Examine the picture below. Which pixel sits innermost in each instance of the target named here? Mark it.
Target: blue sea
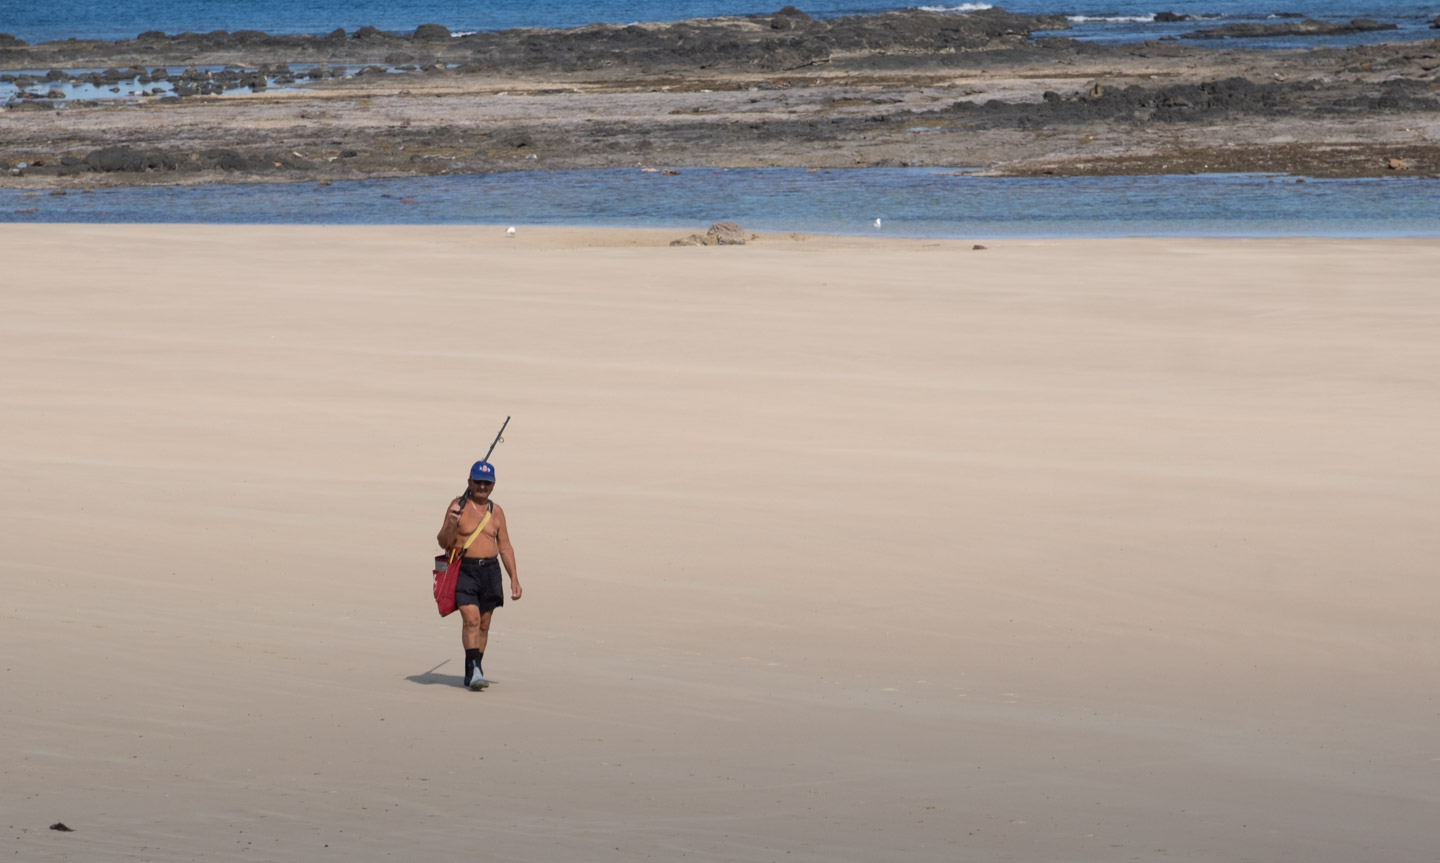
(1102, 20)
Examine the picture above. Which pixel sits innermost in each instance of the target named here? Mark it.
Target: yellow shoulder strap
(471, 538)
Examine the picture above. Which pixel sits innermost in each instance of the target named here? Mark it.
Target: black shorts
(479, 584)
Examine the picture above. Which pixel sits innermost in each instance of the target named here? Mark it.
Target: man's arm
(450, 527)
(507, 552)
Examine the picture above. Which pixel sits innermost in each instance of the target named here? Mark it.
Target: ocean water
(910, 202)
(1103, 20)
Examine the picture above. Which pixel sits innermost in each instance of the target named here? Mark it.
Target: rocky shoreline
(990, 90)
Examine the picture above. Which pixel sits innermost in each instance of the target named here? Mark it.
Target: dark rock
(431, 33)
(904, 36)
(336, 35)
(150, 36)
(8, 41)
(368, 32)
(33, 105)
(249, 37)
(1204, 101)
(348, 154)
(1304, 27)
(1170, 17)
(1434, 25)
(60, 825)
(115, 159)
(225, 160)
(725, 234)
(789, 18)
(977, 248)
(398, 58)
(517, 140)
(56, 75)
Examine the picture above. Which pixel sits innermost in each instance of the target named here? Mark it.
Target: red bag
(447, 570)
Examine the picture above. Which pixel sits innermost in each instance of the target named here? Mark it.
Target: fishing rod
(465, 495)
(498, 439)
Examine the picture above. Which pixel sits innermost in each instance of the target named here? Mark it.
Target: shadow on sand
(430, 678)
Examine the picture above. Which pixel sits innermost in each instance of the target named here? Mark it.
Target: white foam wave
(963, 7)
(458, 33)
(1125, 19)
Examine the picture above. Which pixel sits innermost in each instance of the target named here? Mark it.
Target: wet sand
(833, 549)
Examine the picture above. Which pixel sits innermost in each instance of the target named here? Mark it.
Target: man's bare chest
(473, 516)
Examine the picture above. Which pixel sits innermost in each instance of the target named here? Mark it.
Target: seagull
(877, 223)
(510, 231)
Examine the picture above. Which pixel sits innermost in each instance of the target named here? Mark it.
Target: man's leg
(470, 627)
(474, 633)
(483, 624)
(473, 642)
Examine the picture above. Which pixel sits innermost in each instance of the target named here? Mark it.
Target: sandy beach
(834, 549)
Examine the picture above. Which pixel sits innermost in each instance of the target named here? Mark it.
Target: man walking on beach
(480, 527)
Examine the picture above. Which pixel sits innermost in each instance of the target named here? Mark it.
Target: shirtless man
(478, 591)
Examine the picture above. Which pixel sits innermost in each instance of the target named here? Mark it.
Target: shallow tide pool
(908, 202)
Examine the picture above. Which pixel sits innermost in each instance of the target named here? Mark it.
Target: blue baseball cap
(483, 470)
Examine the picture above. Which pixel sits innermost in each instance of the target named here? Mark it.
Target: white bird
(877, 223)
(510, 231)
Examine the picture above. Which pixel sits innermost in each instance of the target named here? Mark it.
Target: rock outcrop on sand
(130, 160)
(1305, 27)
(1225, 99)
(787, 40)
(911, 88)
(784, 40)
(720, 234)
